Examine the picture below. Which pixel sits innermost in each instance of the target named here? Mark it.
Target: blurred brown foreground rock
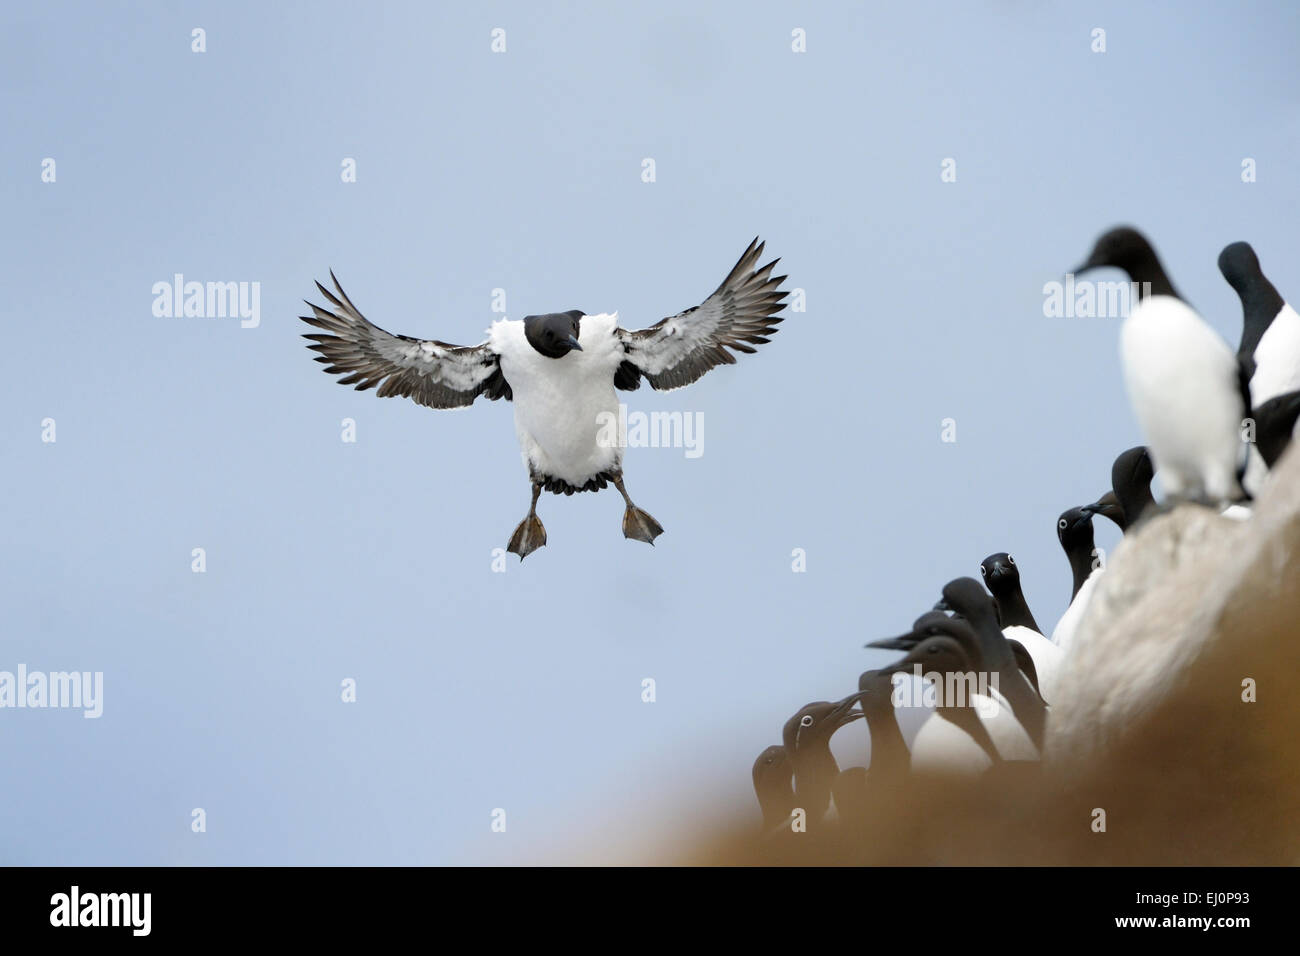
(1151, 727)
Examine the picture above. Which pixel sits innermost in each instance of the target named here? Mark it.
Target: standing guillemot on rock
(1270, 339)
(1074, 530)
(1002, 578)
(561, 370)
(1270, 329)
(1187, 388)
(807, 739)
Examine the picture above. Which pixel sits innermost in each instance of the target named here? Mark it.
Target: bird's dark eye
(1062, 523)
(984, 572)
(806, 720)
(1011, 561)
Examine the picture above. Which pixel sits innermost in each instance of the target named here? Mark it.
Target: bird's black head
(932, 624)
(1126, 248)
(1000, 573)
(877, 685)
(1108, 506)
(1074, 529)
(816, 722)
(1123, 248)
(1239, 265)
(942, 654)
(968, 599)
(773, 767)
(555, 334)
(1132, 467)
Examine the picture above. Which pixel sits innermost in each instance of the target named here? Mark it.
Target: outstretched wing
(430, 373)
(739, 315)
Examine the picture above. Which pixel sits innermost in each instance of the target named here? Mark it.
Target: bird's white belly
(563, 414)
(1008, 736)
(1181, 379)
(1046, 655)
(1277, 358)
(942, 747)
(1068, 625)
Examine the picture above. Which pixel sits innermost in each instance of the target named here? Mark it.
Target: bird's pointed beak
(1107, 506)
(904, 642)
(844, 712)
(572, 343)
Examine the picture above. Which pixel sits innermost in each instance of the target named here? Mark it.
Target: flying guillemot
(561, 370)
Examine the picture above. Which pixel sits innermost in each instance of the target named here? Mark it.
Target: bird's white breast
(563, 406)
(1068, 625)
(1046, 655)
(1182, 381)
(1277, 358)
(942, 747)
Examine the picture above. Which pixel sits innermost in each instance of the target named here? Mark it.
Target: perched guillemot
(1002, 578)
(561, 370)
(1074, 530)
(1270, 328)
(1187, 389)
(1270, 339)
(807, 738)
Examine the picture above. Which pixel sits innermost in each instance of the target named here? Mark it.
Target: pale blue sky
(522, 171)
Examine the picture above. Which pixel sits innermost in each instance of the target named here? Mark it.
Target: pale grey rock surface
(1164, 603)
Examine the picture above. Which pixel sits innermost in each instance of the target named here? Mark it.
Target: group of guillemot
(562, 371)
(1214, 422)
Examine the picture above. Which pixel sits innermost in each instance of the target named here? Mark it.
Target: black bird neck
(1145, 269)
(815, 771)
(1080, 556)
(1135, 498)
(1260, 304)
(889, 754)
(995, 652)
(1013, 609)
